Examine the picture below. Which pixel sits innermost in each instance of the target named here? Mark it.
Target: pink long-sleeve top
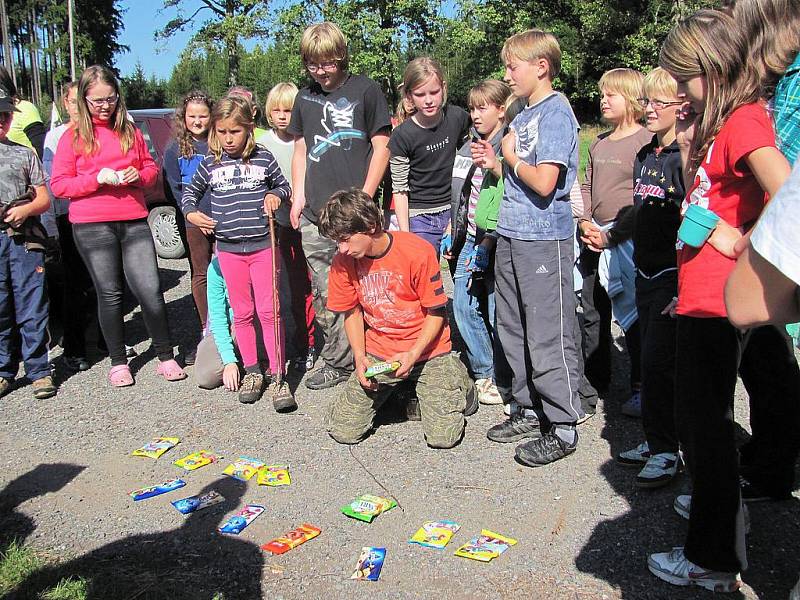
(74, 176)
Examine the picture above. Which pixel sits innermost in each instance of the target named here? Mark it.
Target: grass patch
(68, 589)
(18, 563)
(586, 136)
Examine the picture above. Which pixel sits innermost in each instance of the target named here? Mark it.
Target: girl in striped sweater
(246, 183)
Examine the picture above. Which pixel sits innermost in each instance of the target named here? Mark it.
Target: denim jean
(430, 227)
(23, 306)
(471, 316)
(113, 250)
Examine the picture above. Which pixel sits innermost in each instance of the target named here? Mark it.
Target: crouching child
(389, 287)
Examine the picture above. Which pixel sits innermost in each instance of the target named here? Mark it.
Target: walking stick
(276, 303)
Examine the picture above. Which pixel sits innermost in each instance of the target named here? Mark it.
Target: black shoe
(515, 428)
(75, 363)
(251, 388)
(189, 357)
(326, 377)
(548, 448)
(752, 493)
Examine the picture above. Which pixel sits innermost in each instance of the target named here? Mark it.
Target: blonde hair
(708, 44)
(658, 81)
(531, 45)
(182, 135)
(405, 108)
(418, 71)
(84, 141)
(281, 95)
(241, 111)
(628, 84)
(324, 41)
(771, 28)
(489, 91)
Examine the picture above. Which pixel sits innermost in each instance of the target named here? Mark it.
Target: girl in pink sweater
(103, 166)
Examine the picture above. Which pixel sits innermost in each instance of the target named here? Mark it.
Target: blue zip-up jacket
(178, 171)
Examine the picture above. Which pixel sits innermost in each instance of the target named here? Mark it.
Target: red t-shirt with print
(725, 185)
(393, 291)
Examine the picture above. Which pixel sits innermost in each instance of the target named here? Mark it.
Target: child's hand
(742, 244)
(107, 176)
(230, 377)
(16, 215)
(594, 239)
(483, 154)
(362, 365)
(508, 145)
(669, 309)
(724, 238)
(202, 221)
(129, 175)
(407, 361)
(271, 203)
(298, 203)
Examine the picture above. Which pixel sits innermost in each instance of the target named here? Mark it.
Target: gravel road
(584, 529)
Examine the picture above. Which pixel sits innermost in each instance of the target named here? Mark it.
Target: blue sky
(141, 20)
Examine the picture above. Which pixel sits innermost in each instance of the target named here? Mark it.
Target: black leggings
(111, 249)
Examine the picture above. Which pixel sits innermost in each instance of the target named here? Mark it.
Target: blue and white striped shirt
(237, 197)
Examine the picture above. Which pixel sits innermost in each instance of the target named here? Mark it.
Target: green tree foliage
(226, 23)
(143, 92)
(382, 34)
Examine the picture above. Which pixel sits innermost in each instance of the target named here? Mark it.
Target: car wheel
(166, 236)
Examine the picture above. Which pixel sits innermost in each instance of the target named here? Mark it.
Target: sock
(256, 368)
(566, 433)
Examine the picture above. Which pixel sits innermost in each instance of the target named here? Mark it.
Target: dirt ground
(584, 529)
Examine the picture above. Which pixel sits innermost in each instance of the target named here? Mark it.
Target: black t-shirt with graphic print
(337, 127)
(431, 154)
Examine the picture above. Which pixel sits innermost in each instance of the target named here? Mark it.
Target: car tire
(163, 225)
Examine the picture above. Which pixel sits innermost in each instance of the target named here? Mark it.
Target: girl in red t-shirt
(730, 164)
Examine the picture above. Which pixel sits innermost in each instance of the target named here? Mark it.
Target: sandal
(120, 376)
(171, 370)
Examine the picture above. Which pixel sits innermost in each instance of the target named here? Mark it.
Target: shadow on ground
(192, 562)
(618, 548)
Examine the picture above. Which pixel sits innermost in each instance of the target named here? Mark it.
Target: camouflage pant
(319, 253)
(443, 385)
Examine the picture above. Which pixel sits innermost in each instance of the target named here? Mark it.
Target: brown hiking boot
(44, 388)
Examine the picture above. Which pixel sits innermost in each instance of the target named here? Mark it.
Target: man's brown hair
(348, 212)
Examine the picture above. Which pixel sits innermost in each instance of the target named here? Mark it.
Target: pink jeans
(248, 276)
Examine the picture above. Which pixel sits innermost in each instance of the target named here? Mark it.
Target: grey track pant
(535, 307)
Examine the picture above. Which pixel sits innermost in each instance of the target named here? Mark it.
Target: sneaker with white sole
(487, 392)
(326, 377)
(673, 567)
(683, 506)
(633, 407)
(635, 457)
(659, 470)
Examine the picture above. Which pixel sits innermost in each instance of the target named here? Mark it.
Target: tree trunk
(232, 47)
(34, 41)
(8, 57)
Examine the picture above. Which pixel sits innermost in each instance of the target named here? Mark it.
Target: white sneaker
(795, 593)
(673, 567)
(487, 392)
(659, 470)
(636, 457)
(683, 506)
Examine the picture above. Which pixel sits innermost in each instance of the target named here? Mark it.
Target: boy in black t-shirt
(341, 127)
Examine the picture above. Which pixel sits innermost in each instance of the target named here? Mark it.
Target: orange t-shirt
(393, 291)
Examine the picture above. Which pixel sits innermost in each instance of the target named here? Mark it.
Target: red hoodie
(75, 177)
